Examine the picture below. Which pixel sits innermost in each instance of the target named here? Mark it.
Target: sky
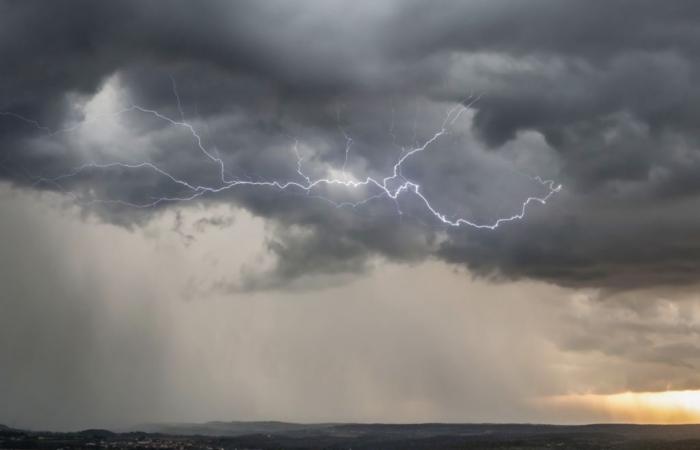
(529, 254)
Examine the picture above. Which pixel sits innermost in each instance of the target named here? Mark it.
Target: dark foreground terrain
(278, 435)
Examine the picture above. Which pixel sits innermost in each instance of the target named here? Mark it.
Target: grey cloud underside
(603, 97)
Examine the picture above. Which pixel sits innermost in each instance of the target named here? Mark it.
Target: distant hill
(227, 428)
(8, 431)
(96, 433)
(426, 436)
(416, 431)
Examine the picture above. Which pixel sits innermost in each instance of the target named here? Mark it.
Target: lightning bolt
(392, 186)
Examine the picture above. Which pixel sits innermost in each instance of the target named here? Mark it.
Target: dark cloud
(599, 96)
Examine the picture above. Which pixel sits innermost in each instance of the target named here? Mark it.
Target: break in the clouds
(601, 97)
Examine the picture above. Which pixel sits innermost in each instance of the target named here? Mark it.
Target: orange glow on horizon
(667, 407)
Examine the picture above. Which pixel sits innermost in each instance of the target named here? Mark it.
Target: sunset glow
(669, 407)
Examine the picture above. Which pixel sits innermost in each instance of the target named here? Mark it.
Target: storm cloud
(601, 97)
(259, 303)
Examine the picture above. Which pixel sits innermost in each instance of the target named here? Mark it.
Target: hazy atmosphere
(364, 211)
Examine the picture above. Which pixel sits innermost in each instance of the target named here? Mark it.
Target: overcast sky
(253, 302)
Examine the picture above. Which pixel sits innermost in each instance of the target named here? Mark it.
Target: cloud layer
(600, 97)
